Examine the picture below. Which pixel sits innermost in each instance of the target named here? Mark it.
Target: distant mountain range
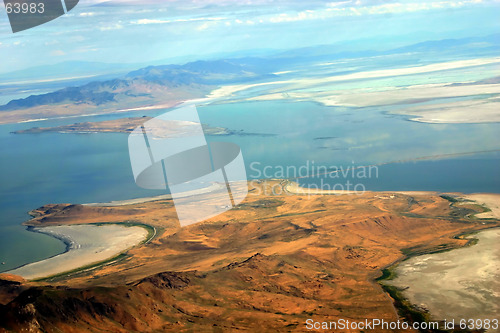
(66, 69)
(152, 81)
(145, 82)
(480, 46)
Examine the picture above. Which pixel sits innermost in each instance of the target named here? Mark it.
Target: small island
(125, 125)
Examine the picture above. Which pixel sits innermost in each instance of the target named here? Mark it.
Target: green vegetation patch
(262, 203)
(301, 213)
(388, 273)
(413, 251)
(405, 308)
(449, 198)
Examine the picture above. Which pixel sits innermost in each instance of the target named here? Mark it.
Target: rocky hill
(268, 265)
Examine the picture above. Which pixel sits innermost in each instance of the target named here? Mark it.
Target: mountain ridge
(267, 265)
(219, 72)
(142, 83)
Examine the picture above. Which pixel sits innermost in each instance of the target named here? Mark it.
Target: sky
(131, 31)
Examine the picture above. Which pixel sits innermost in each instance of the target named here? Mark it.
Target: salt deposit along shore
(86, 245)
(462, 284)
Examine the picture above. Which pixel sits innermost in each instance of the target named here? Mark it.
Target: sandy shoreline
(58, 117)
(488, 200)
(295, 188)
(86, 245)
(89, 244)
(305, 89)
(458, 284)
(208, 189)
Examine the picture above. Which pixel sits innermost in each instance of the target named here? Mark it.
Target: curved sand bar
(86, 245)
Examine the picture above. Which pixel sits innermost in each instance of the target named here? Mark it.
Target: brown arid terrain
(122, 125)
(154, 98)
(268, 265)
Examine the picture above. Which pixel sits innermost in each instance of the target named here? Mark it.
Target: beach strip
(85, 245)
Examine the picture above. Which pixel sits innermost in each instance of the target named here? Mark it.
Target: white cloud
(246, 22)
(57, 53)
(158, 21)
(204, 26)
(355, 11)
(115, 26)
(207, 25)
(339, 3)
(358, 8)
(150, 21)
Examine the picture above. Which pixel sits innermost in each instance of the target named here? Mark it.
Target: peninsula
(273, 261)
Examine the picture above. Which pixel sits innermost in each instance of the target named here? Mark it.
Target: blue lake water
(38, 169)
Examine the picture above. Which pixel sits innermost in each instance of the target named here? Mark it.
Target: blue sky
(146, 31)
